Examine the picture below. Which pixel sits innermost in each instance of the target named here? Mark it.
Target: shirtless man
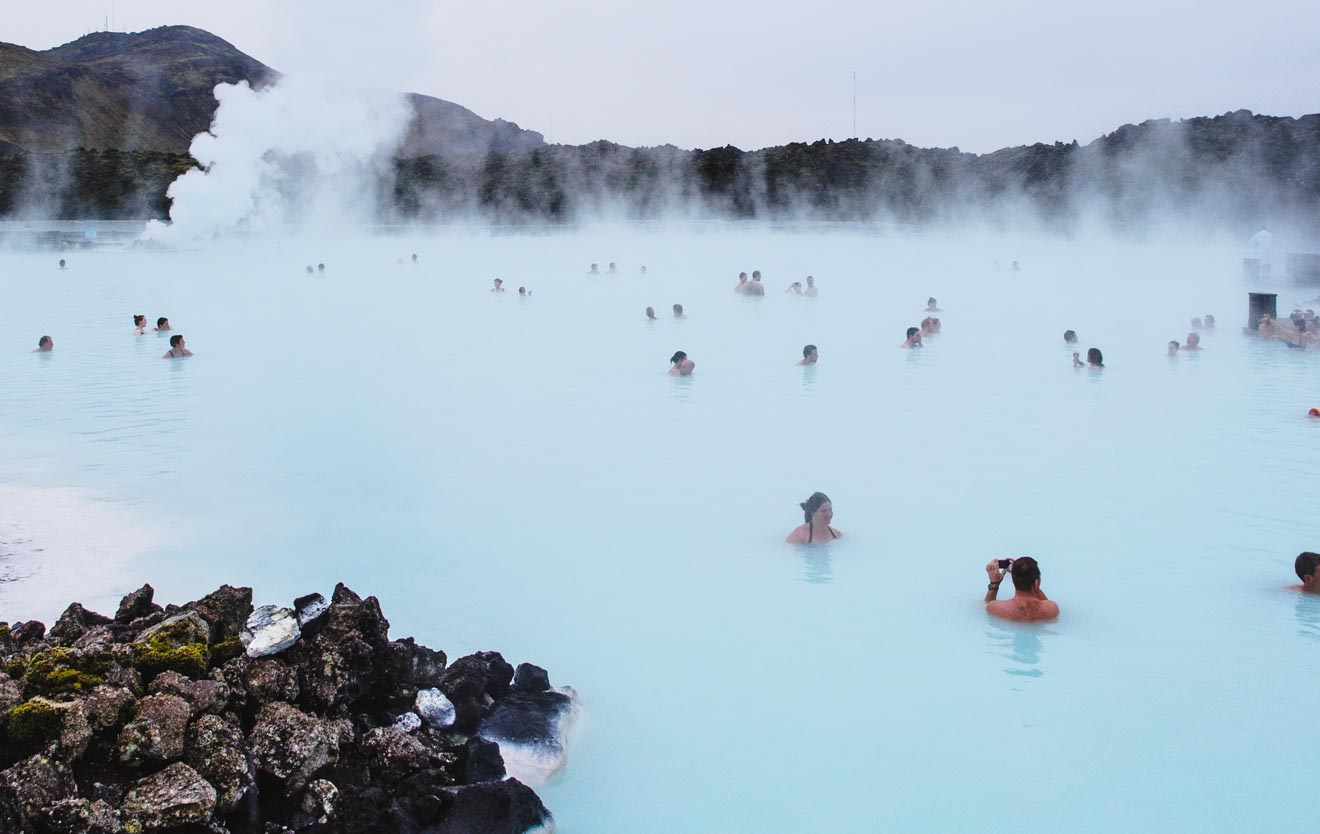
(742, 283)
(811, 287)
(678, 312)
(499, 286)
(809, 355)
(45, 345)
(1193, 342)
(931, 306)
(913, 339)
(755, 287)
(178, 349)
(1308, 570)
(1173, 348)
(1029, 603)
(162, 324)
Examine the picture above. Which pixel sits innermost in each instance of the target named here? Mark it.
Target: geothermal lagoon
(521, 474)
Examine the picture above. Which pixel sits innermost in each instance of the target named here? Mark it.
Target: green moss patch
(32, 723)
(159, 654)
(63, 671)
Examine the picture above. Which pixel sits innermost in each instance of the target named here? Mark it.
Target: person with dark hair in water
(309, 269)
(1193, 341)
(614, 268)
(913, 338)
(818, 512)
(1308, 570)
(794, 288)
(1094, 359)
(63, 265)
(139, 324)
(650, 313)
(932, 306)
(755, 287)
(811, 287)
(1070, 337)
(414, 258)
(595, 270)
(162, 324)
(1209, 323)
(741, 286)
(499, 285)
(809, 355)
(178, 349)
(680, 365)
(678, 312)
(45, 345)
(320, 267)
(1173, 348)
(1029, 603)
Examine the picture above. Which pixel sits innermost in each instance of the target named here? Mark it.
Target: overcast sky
(703, 73)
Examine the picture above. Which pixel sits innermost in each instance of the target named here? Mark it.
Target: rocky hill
(152, 92)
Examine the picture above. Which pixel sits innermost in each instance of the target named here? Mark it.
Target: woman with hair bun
(819, 512)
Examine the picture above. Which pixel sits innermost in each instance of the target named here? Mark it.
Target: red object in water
(1315, 412)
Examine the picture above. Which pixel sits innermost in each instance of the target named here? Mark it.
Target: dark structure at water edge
(215, 717)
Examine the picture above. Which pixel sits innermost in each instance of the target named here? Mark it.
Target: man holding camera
(1029, 603)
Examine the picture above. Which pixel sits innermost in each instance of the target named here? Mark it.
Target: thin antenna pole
(854, 132)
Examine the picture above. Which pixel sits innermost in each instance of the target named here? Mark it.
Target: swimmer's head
(1193, 340)
(820, 503)
(45, 343)
(139, 320)
(1306, 565)
(756, 275)
(162, 322)
(1210, 320)
(61, 263)
(811, 282)
(309, 269)
(809, 352)
(912, 331)
(650, 312)
(176, 340)
(678, 356)
(612, 264)
(320, 267)
(1025, 572)
(414, 257)
(678, 309)
(930, 303)
(1095, 357)
(1173, 347)
(1070, 337)
(643, 270)
(522, 291)
(499, 282)
(1196, 324)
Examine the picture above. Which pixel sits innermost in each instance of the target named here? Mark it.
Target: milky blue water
(522, 475)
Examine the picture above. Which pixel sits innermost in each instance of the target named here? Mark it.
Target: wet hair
(930, 300)
(321, 267)
(742, 276)
(1209, 319)
(162, 320)
(650, 311)
(61, 262)
(414, 257)
(813, 503)
(1095, 357)
(678, 309)
(678, 356)
(1174, 344)
(912, 331)
(1070, 336)
(43, 340)
(499, 280)
(139, 319)
(175, 339)
(309, 269)
(522, 291)
(808, 350)
(1306, 564)
(756, 273)
(1025, 572)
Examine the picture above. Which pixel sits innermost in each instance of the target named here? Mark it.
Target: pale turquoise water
(523, 476)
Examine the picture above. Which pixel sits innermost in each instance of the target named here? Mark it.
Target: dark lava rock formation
(210, 717)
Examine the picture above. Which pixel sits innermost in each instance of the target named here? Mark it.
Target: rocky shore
(217, 717)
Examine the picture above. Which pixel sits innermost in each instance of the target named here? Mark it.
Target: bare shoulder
(798, 536)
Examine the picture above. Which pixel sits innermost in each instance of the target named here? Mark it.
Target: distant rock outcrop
(153, 91)
(212, 717)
